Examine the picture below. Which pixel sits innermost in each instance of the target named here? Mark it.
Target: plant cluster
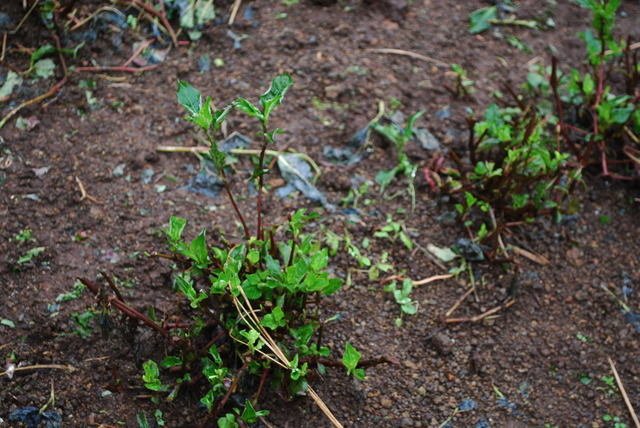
(525, 158)
(254, 305)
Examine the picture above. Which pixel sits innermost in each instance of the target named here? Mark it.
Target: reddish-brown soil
(529, 366)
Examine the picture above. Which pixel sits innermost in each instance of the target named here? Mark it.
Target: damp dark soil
(90, 184)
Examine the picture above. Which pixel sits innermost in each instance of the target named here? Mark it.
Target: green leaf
(198, 250)
(275, 319)
(229, 421)
(189, 97)
(203, 118)
(409, 130)
(170, 361)
(150, 376)
(40, 52)
(588, 85)
(176, 226)
(384, 178)
(247, 107)
(44, 68)
(250, 415)
(142, 420)
(350, 359)
(479, 19)
(319, 260)
(273, 97)
(621, 114)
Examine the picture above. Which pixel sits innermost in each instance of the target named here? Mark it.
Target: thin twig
(67, 368)
(409, 54)
(481, 316)
(460, 300)
(234, 11)
(54, 90)
(433, 278)
(624, 393)
(84, 194)
(12, 32)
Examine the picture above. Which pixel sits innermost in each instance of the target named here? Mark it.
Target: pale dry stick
(234, 11)
(624, 393)
(536, 258)
(84, 194)
(205, 149)
(93, 15)
(4, 46)
(433, 278)
(24, 18)
(409, 54)
(459, 302)
(494, 224)
(68, 368)
(481, 316)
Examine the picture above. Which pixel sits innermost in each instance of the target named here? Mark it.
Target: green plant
(392, 231)
(401, 295)
(598, 124)
(259, 298)
(464, 85)
(515, 171)
(615, 419)
(399, 137)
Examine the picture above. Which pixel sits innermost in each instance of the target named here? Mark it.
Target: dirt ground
(541, 362)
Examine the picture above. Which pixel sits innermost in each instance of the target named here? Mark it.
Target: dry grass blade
(624, 393)
(248, 312)
(410, 54)
(68, 368)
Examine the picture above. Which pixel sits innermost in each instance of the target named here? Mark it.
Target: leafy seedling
(399, 137)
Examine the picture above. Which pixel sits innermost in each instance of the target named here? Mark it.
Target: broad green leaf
(142, 420)
(203, 118)
(229, 421)
(189, 97)
(150, 376)
(350, 358)
(170, 361)
(273, 97)
(621, 114)
(44, 68)
(250, 415)
(247, 107)
(198, 249)
(588, 85)
(275, 319)
(176, 226)
(479, 19)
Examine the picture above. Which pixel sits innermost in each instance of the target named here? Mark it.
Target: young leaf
(409, 130)
(273, 97)
(40, 52)
(150, 376)
(247, 107)
(479, 19)
(189, 97)
(350, 360)
(176, 226)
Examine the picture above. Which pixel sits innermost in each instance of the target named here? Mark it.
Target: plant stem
(265, 141)
(223, 175)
